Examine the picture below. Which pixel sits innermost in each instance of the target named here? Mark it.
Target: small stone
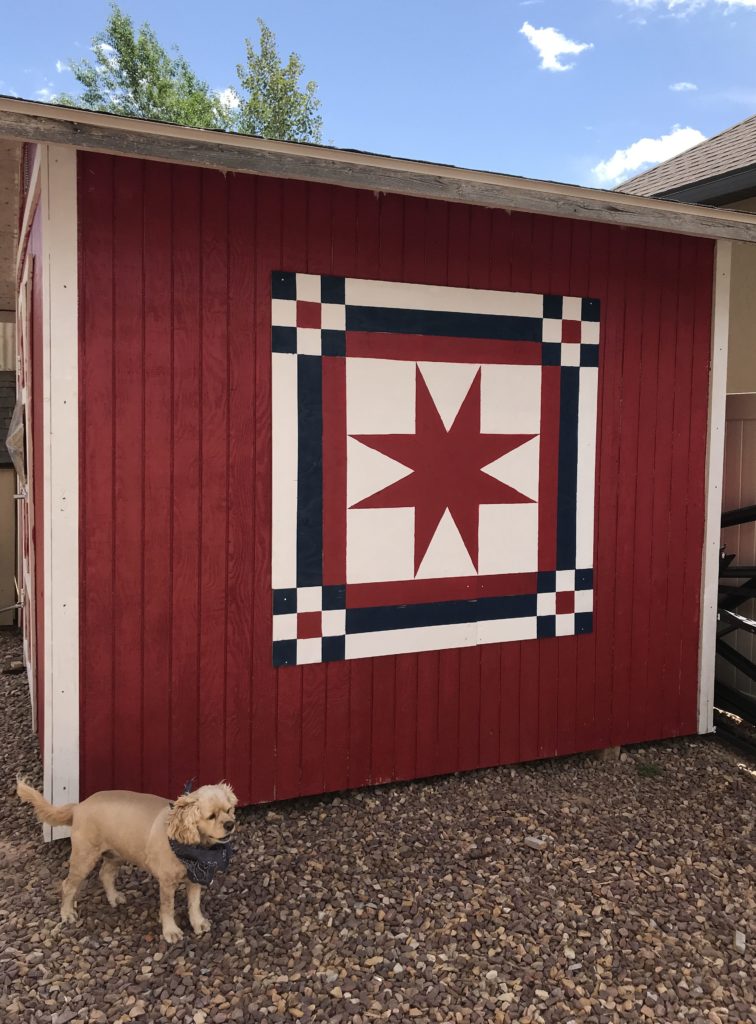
(535, 842)
(739, 941)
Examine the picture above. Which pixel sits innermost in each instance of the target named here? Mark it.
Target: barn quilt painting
(433, 466)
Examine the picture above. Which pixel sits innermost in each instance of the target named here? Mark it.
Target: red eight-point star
(447, 469)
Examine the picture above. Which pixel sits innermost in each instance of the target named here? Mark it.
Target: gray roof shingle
(729, 151)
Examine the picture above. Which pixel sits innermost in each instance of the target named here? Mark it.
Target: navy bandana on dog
(201, 862)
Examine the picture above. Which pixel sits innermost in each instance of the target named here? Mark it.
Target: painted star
(447, 469)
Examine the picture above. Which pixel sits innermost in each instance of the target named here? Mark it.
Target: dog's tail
(44, 810)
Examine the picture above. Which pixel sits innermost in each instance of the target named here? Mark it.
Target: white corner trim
(715, 446)
(60, 401)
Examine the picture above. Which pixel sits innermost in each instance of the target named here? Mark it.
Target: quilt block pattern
(433, 466)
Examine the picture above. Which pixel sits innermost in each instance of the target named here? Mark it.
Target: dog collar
(202, 862)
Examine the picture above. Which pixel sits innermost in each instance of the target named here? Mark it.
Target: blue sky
(474, 83)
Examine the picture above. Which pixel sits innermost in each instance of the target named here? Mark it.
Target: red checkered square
(565, 603)
(309, 625)
(308, 314)
(571, 331)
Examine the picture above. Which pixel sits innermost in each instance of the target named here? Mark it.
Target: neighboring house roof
(7, 405)
(721, 168)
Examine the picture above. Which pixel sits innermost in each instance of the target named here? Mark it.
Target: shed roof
(27, 120)
(713, 161)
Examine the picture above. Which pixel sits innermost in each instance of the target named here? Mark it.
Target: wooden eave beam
(87, 130)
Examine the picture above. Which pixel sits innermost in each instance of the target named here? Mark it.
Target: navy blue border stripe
(568, 455)
(442, 613)
(310, 472)
(443, 324)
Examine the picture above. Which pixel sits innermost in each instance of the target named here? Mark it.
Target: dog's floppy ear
(183, 820)
(229, 794)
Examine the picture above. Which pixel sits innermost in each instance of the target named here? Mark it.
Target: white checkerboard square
(590, 332)
(583, 600)
(572, 308)
(565, 624)
(284, 313)
(308, 341)
(552, 331)
(332, 317)
(334, 622)
(309, 652)
(565, 579)
(308, 287)
(570, 354)
(546, 604)
(285, 627)
(309, 599)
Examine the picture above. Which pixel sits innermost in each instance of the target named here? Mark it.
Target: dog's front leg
(199, 922)
(171, 931)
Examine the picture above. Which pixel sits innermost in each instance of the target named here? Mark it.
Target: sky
(582, 91)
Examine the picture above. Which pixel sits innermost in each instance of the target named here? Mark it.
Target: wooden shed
(347, 469)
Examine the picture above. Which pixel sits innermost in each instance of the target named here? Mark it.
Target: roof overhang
(26, 120)
(716, 191)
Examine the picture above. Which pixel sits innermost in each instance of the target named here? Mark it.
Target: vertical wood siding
(176, 673)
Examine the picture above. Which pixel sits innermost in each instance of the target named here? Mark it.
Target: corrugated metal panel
(176, 669)
(739, 491)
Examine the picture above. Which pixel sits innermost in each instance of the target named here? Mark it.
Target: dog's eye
(213, 815)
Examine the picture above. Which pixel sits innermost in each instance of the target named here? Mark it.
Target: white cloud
(684, 87)
(550, 45)
(682, 7)
(228, 99)
(624, 162)
(60, 67)
(45, 94)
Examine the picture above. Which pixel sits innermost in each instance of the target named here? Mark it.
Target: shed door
(25, 492)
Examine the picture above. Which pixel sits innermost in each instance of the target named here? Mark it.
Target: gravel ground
(418, 902)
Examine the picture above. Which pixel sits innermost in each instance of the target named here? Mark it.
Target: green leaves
(134, 75)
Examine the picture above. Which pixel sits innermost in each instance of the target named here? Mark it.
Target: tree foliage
(134, 75)
(271, 103)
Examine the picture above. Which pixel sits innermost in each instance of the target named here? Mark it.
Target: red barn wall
(176, 672)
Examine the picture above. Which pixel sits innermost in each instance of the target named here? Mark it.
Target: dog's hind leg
(198, 921)
(84, 856)
(171, 931)
(108, 874)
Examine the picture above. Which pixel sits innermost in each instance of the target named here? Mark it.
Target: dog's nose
(228, 826)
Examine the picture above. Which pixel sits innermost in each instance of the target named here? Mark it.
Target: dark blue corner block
(546, 582)
(284, 285)
(334, 598)
(546, 626)
(333, 343)
(284, 339)
(333, 648)
(332, 289)
(589, 355)
(552, 307)
(584, 622)
(591, 310)
(551, 354)
(583, 579)
(284, 652)
(284, 601)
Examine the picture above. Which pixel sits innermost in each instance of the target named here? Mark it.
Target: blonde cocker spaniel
(145, 830)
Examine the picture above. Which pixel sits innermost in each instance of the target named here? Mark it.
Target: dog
(145, 830)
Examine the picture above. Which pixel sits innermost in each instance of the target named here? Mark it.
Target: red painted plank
(128, 442)
(186, 476)
(158, 384)
(213, 423)
(96, 469)
(658, 687)
(623, 668)
(508, 725)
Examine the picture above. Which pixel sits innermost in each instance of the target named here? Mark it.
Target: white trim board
(60, 401)
(714, 477)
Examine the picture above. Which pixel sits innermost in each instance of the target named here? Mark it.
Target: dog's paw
(117, 899)
(201, 926)
(68, 915)
(172, 933)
